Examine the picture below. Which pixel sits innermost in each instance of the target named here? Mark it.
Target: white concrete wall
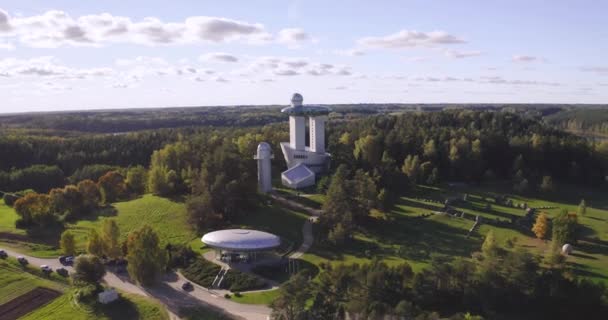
(264, 175)
(317, 134)
(297, 132)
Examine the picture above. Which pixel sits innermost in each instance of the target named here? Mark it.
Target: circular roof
(241, 239)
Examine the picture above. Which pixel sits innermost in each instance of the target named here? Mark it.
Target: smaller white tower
(263, 157)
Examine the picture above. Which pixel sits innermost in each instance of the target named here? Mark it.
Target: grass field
(261, 297)
(129, 307)
(402, 235)
(14, 281)
(167, 217)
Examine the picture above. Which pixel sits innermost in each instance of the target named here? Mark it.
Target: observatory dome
(241, 240)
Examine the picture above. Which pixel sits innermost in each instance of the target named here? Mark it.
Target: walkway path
(308, 236)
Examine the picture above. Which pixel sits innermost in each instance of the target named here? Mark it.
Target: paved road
(169, 292)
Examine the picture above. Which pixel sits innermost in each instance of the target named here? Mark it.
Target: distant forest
(584, 119)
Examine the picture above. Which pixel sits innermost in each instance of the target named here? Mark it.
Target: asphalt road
(168, 292)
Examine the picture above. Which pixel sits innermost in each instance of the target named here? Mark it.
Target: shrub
(227, 296)
(238, 281)
(201, 272)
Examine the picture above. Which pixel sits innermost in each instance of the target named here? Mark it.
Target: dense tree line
(496, 284)
(465, 145)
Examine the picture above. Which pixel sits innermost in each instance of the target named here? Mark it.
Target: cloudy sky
(70, 54)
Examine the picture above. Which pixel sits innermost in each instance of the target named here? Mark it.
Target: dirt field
(27, 303)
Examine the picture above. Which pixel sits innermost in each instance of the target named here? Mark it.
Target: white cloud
(524, 58)
(7, 46)
(350, 52)
(409, 39)
(219, 79)
(57, 28)
(596, 69)
(461, 54)
(47, 66)
(293, 36)
(219, 57)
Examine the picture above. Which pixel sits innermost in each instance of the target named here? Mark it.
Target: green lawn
(260, 297)
(401, 235)
(129, 307)
(167, 217)
(14, 281)
(202, 313)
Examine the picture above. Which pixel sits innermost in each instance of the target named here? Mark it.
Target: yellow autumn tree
(541, 226)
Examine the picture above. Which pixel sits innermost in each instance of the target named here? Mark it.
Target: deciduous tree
(68, 243)
(147, 259)
(110, 236)
(541, 226)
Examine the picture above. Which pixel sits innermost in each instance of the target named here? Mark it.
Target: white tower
(297, 125)
(304, 162)
(263, 156)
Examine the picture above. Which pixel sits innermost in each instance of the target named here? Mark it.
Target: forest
(51, 173)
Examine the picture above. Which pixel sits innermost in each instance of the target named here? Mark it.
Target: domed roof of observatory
(298, 109)
(241, 239)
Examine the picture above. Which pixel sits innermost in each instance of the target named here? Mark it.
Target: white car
(46, 268)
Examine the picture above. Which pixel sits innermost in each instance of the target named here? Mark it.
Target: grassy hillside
(130, 307)
(167, 217)
(404, 235)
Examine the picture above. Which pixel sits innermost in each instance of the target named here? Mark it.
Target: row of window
(300, 156)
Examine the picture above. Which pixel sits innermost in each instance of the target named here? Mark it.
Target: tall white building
(263, 156)
(304, 162)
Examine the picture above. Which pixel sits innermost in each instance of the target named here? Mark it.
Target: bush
(9, 199)
(86, 293)
(180, 256)
(238, 281)
(201, 272)
(227, 296)
(238, 294)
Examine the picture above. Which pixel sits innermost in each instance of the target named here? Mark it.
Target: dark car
(23, 261)
(62, 272)
(66, 260)
(187, 286)
(3, 254)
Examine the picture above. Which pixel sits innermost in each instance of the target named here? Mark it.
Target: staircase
(217, 282)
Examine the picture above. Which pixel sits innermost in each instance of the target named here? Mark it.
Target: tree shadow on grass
(583, 271)
(121, 309)
(107, 211)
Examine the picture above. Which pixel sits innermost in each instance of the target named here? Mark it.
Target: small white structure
(567, 249)
(297, 177)
(107, 296)
(297, 154)
(263, 156)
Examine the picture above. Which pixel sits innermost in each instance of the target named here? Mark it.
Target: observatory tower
(263, 156)
(304, 162)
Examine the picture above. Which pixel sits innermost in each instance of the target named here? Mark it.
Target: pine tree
(541, 227)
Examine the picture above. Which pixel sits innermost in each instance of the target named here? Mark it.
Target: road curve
(168, 292)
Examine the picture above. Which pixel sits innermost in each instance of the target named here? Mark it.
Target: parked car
(62, 272)
(23, 261)
(187, 286)
(3, 254)
(66, 260)
(46, 269)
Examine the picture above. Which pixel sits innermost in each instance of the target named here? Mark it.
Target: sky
(77, 55)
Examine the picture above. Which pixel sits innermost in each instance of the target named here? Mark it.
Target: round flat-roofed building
(240, 245)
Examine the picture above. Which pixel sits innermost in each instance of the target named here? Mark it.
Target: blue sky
(70, 55)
